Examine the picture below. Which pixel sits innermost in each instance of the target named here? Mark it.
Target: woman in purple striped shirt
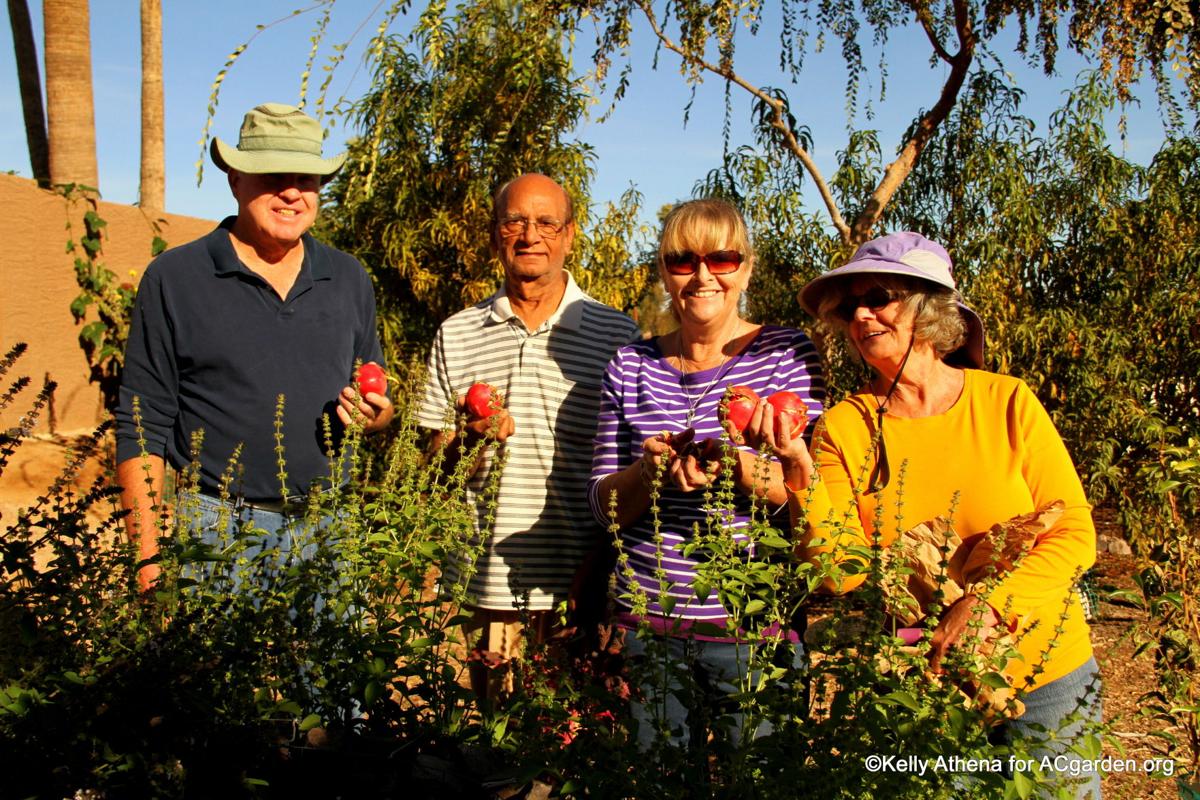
(660, 423)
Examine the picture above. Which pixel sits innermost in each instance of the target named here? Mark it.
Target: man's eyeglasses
(719, 262)
(546, 228)
(874, 298)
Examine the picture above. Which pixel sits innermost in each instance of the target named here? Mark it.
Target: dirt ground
(1126, 680)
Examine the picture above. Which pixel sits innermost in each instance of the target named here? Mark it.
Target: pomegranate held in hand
(483, 401)
(739, 405)
(789, 410)
(371, 378)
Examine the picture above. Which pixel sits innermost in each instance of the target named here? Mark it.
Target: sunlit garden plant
(197, 687)
(344, 672)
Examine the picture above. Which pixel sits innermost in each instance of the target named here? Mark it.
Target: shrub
(342, 673)
(195, 689)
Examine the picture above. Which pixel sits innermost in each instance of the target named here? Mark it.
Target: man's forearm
(452, 448)
(141, 480)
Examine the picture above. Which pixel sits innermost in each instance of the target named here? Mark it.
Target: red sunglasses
(719, 262)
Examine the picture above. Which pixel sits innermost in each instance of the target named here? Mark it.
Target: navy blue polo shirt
(212, 348)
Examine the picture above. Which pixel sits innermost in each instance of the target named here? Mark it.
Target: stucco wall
(37, 285)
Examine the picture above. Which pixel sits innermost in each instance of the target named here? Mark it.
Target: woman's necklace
(721, 368)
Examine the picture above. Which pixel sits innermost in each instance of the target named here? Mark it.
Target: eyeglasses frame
(545, 228)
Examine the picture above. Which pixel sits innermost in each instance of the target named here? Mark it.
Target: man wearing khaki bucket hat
(225, 325)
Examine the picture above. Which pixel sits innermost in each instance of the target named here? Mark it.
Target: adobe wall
(37, 285)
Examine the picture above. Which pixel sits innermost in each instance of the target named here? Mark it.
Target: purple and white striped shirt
(644, 395)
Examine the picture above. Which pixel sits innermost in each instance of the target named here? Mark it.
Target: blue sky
(644, 142)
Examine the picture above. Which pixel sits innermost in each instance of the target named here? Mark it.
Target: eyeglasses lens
(547, 229)
(719, 262)
(874, 298)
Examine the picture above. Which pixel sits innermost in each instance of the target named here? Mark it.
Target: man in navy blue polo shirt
(227, 325)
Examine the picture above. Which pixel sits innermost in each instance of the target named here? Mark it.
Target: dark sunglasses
(719, 262)
(874, 298)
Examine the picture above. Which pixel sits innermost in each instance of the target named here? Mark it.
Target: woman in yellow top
(950, 428)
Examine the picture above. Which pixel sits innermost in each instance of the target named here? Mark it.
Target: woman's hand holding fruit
(690, 465)
(777, 424)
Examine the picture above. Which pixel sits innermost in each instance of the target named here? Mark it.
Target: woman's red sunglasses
(719, 262)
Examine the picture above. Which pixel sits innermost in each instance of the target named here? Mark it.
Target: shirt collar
(569, 313)
(226, 261)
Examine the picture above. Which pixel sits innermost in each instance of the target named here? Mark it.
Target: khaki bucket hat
(277, 138)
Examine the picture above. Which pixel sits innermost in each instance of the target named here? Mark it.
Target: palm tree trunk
(29, 76)
(152, 194)
(70, 108)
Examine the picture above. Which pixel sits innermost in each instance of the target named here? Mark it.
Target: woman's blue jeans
(718, 670)
(1051, 735)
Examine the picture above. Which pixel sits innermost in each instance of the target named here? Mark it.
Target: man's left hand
(373, 411)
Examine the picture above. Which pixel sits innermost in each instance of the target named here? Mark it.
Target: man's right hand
(497, 427)
(148, 577)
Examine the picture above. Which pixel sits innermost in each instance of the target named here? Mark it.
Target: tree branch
(921, 9)
(778, 119)
(898, 170)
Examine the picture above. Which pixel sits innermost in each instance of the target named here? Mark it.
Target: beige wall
(37, 285)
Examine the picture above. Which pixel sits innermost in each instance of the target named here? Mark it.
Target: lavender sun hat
(910, 255)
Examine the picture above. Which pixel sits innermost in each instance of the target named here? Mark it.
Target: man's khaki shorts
(496, 639)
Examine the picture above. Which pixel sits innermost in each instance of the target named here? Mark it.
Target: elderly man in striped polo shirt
(544, 344)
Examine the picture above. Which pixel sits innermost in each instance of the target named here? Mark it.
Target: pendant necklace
(693, 403)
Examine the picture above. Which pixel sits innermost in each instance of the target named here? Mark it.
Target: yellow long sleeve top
(998, 449)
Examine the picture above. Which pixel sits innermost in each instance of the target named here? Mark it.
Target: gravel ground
(1126, 680)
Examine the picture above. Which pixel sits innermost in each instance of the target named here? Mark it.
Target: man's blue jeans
(278, 540)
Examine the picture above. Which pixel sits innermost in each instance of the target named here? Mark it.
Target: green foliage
(462, 104)
(102, 339)
(705, 35)
(1157, 35)
(250, 672)
(1168, 595)
(210, 686)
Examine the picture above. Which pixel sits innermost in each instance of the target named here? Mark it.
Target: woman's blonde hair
(936, 318)
(702, 226)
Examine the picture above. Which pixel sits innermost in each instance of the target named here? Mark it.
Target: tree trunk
(29, 76)
(70, 108)
(153, 186)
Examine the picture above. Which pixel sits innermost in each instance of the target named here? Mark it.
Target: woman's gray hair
(936, 318)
